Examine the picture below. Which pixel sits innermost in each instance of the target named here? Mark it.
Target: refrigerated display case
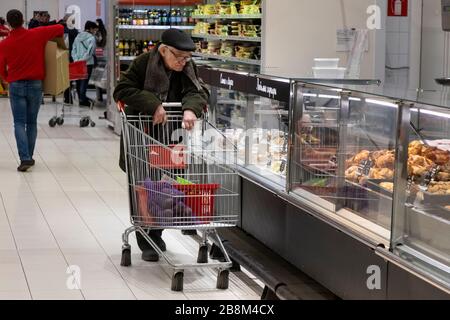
(369, 162)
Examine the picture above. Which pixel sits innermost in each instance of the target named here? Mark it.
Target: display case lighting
(326, 96)
(382, 103)
(432, 113)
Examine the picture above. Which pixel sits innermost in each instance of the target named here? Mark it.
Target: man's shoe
(159, 242)
(150, 255)
(32, 162)
(192, 232)
(25, 165)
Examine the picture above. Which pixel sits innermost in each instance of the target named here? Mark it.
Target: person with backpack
(84, 50)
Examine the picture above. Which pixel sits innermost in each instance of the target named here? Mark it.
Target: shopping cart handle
(121, 106)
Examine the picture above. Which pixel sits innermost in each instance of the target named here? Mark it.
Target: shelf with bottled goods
(155, 18)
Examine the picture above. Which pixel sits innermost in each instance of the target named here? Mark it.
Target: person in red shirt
(22, 64)
(4, 31)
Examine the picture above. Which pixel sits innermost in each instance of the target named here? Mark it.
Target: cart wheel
(84, 122)
(60, 121)
(223, 279)
(92, 124)
(52, 122)
(177, 281)
(126, 258)
(202, 254)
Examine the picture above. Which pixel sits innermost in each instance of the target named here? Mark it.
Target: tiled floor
(70, 211)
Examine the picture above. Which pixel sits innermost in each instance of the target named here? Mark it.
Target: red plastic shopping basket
(200, 198)
(167, 157)
(78, 70)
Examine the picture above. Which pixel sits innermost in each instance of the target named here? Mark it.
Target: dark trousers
(82, 86)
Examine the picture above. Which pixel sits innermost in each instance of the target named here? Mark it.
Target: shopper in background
(35, 21)
(23, 66)
(165, 74)
(46, 20)
(101, 43)
(4, 30)
(100, 36)
(70, 34)
(84, 50)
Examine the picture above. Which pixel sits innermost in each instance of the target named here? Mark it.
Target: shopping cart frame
(209, 231)
(85, 120)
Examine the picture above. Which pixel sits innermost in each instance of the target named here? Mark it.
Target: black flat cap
(178, 39)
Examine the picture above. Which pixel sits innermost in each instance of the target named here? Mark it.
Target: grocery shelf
(231, 38)
(153, 27)
(232, 59)
(228, 16)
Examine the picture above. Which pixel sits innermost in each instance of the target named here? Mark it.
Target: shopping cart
(180, 179)
(77, 71)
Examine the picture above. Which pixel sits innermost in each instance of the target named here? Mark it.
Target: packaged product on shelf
(214, 47)
(244, 51)
(227, 49)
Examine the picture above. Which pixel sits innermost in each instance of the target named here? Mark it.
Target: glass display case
(373, 164)
(343, 155)
(379, 163)
(257, 124)
(421, 221)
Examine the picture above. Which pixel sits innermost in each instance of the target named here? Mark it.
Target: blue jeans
(25, 98)
(82, 86)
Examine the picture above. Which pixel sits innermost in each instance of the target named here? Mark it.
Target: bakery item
(438, 156)
(388, 186)
(387, 160)
(352, 173)
(441, 188)
(377, 173)
(415, 148)
(418, 165)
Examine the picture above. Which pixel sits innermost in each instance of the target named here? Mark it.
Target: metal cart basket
(180, 179)
(77, 71)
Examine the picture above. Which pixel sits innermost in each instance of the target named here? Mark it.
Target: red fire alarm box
(397, 8)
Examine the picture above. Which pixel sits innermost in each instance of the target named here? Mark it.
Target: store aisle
(70, 212)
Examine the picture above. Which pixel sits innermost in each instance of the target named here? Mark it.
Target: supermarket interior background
(335, 115)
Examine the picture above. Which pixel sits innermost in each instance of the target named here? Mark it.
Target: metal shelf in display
(231, 59)
(151, 27)
(228, 16)
(229, 38)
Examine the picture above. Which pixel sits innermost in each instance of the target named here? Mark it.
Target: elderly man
(165, 74)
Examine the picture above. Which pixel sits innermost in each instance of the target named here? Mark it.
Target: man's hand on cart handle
(189, 119)
(160, 116)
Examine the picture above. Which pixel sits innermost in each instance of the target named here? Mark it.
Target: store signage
(276, 90)
(203, 73)
(230, 81)
(397, 8)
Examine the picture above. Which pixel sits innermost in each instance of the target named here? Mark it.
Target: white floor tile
(109, 294)
(11, 295)
(58, 295)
